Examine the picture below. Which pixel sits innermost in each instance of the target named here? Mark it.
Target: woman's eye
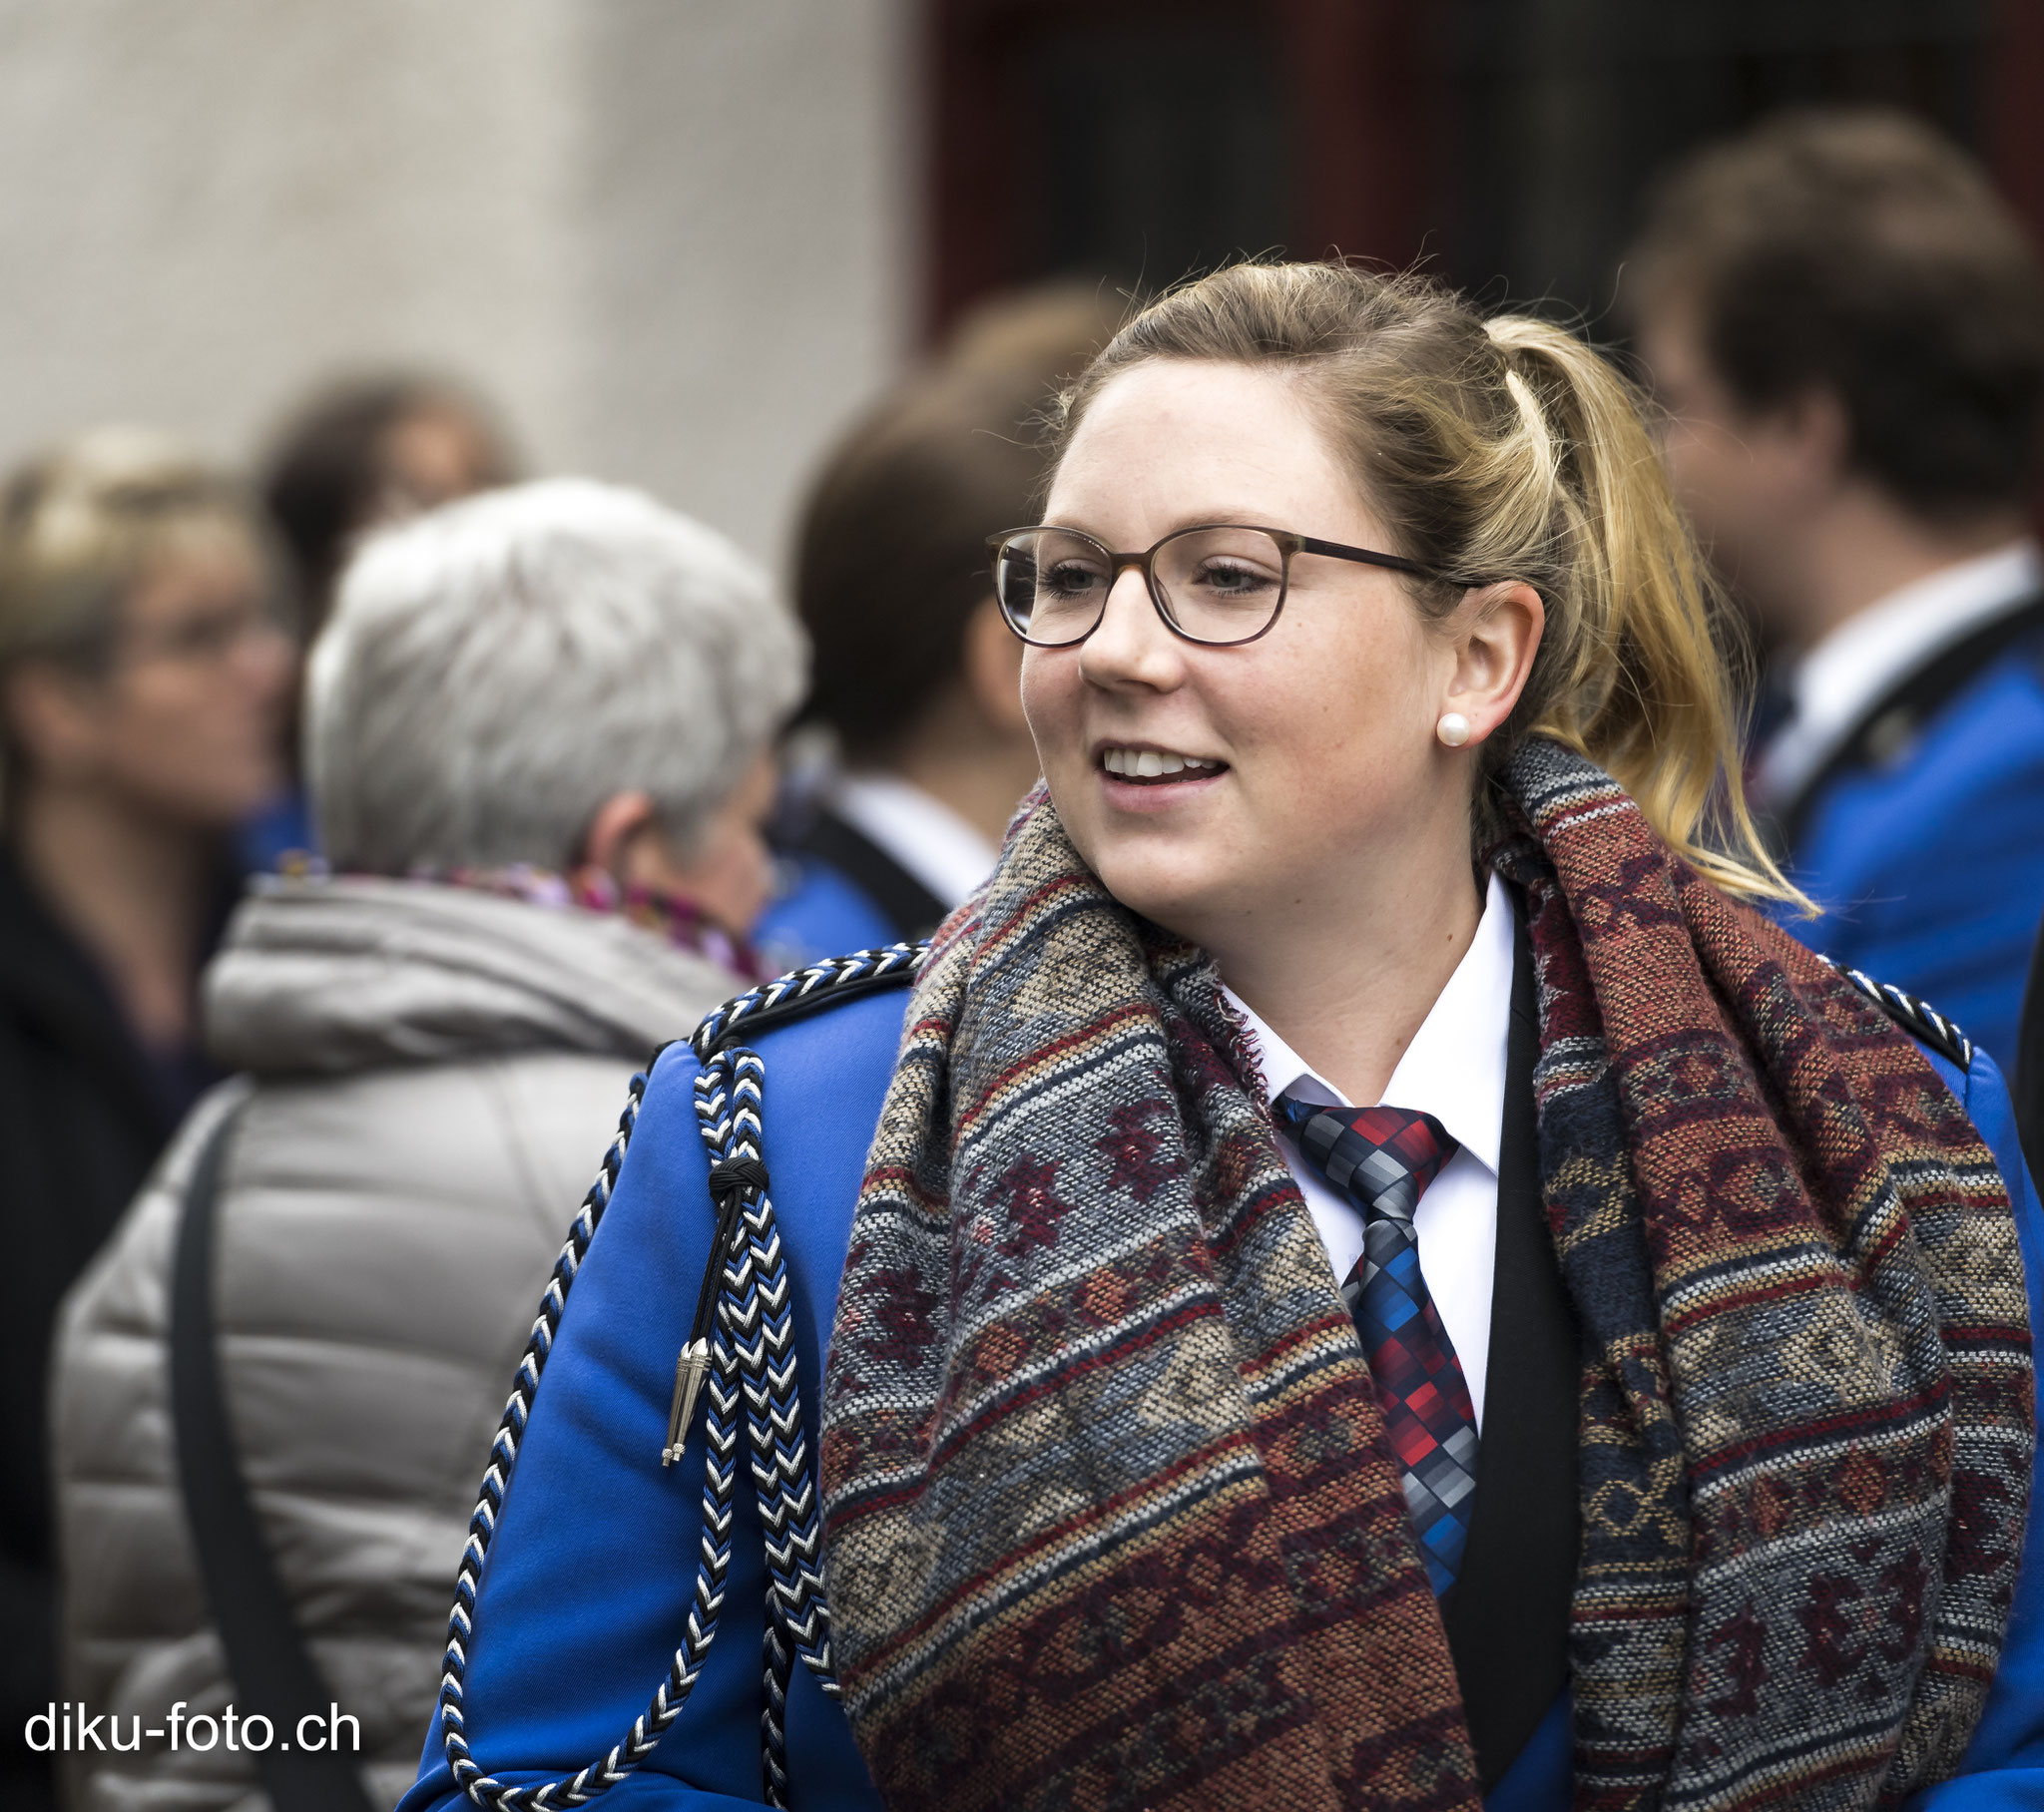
(1233, 578)
(1068, 579)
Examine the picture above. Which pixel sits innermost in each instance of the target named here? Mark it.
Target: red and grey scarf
(668, 916)
(1110, 1518)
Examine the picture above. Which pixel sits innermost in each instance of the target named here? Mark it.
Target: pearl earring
(1453, 728)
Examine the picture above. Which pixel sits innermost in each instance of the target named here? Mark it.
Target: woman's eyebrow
(1190, 519)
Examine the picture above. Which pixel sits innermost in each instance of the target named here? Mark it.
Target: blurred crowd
(388, 808)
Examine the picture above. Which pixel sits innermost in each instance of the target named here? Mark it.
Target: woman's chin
(1180, 894)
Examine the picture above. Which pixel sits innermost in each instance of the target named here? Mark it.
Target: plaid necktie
(1383, 1158)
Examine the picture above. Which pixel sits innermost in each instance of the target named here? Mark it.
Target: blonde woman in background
(142, 673)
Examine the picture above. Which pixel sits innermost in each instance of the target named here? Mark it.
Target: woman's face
(431, 456)
(1320, 767)
(185, 722)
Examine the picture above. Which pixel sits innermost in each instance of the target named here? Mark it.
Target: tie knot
(1381, 1158)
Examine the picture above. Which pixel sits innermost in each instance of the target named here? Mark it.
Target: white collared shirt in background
(1454, 1068)
(1839, 679)
(923, 835)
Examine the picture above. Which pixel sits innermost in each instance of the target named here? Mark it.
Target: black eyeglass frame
(1288, 545)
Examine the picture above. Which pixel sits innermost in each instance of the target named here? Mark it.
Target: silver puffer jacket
(431, 1077)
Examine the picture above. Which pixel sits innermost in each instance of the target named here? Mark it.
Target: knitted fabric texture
(1110, 1516)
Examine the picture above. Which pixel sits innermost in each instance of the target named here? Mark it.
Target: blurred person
(142, 673)
(1846, 325)
(538, 739)
(1044, 333)
(367, 451)
(1360, 1271)
(362, 452)
(916, 679)
(915, 676)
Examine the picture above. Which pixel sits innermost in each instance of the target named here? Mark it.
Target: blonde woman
(142, 676)
(1363, 1274)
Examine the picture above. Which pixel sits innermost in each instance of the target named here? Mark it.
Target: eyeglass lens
(1212, 584)
(200, 637)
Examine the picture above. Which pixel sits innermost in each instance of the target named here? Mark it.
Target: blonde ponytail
(1632, 674)
(1498, 450)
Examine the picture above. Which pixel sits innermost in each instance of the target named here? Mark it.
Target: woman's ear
(1495, 633)
(620, 824)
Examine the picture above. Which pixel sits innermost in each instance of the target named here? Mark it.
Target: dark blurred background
(682, 244)
(1509, 143)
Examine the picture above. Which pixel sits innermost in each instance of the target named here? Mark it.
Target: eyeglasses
(1220, 583)
(201, 639)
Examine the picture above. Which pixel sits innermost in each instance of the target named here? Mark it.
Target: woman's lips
(1137, 764)
(1148, 783)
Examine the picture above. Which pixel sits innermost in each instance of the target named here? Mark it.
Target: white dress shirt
(929, 839)
(1839, 679)
(1454, 1068)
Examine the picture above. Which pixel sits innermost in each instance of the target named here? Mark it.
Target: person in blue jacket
(1846, 324)
(916, 672)
(914, 685)
(1362, 1273)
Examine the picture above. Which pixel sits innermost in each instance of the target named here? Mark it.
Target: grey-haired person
(539, 732)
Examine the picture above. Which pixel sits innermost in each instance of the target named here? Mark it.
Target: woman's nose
(1131, 645)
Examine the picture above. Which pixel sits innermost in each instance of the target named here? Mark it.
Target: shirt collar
(930, 840)
(1838, 679)
(1454, 1068)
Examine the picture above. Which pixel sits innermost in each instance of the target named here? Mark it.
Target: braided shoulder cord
(1916, 1017)
(791, 995)
(754, 1358)
(752, 1366)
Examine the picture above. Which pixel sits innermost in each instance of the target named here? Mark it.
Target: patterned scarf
(668, 916)
(1110, 1518)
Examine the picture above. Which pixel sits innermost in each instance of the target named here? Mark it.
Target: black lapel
(1891, 723)
(915, 911)
(2030, 1064)
(52, 990)
(1507, 1614)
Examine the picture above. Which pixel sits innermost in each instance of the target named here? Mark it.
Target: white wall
(672, 236)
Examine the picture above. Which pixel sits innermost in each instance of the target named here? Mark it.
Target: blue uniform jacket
(592, 1565)
(818, 911)
(1930, 869)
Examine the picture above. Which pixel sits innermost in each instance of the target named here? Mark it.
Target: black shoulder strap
(912, 909)
(272, 1674)
(1891, 723)
(2029, 1080)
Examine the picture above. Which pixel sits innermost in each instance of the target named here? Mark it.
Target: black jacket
(2027, 1085)
(83, 1115)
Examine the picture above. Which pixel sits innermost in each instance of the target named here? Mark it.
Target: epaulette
(738, 1364)
(1919, 1019)
(803, 990)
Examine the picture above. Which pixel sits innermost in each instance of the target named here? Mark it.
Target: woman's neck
(1347, 986)
(131, 889)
